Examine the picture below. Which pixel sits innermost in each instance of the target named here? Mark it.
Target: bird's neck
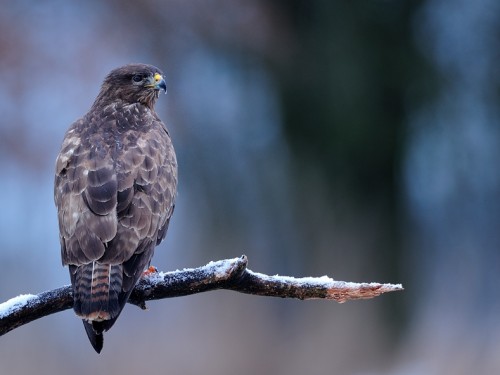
(112, 96)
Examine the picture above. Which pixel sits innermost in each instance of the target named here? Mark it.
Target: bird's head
(133, 83)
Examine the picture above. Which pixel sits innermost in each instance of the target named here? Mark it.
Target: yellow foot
(150, 270)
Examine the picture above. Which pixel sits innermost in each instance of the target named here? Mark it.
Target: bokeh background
(355, 139)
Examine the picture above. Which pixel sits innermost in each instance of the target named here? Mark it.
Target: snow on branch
(231, 274)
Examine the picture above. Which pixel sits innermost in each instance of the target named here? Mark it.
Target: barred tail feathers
(97, 289)
(100, 292)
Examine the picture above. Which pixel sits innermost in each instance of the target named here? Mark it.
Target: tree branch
(231, 274)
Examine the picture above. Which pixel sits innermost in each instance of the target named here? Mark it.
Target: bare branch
(231, 274)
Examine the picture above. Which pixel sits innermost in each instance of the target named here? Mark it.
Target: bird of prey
(115, 186)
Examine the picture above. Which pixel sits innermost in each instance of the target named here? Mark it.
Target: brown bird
(115, 186)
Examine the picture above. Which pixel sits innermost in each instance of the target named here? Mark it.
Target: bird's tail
(98, 297)
(96, 291)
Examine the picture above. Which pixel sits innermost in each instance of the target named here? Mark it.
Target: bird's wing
(114, 203)
(85, 193)
(147, 184)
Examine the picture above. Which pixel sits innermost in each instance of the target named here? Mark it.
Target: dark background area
(354, 139)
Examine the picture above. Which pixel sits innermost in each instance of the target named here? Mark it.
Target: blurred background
(354, 139)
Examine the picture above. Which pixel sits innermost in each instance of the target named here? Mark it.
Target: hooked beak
(158, 82)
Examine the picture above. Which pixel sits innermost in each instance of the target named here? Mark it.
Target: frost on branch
(231, 274)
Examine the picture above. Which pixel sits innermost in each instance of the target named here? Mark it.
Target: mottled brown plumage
(115, 186)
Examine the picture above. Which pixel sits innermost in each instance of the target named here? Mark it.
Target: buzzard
(115, 186)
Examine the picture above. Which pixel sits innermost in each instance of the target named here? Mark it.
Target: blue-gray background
(359, 141)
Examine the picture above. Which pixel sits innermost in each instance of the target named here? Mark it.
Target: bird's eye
(137, 78)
